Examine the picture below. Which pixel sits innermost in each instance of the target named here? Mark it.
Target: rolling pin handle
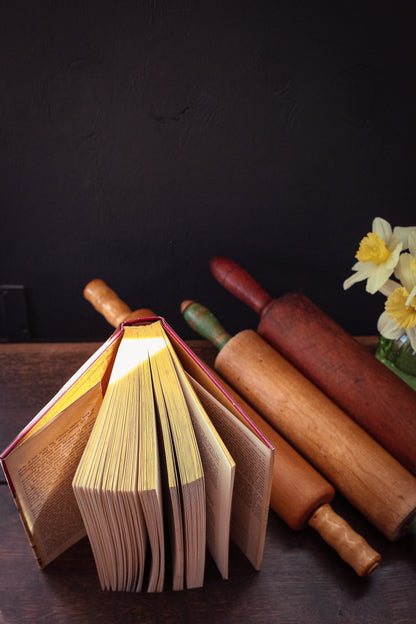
(350, 546)
(239, 283)
(204, 323)
(107, 303)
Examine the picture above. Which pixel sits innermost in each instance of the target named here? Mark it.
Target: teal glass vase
(399, 356)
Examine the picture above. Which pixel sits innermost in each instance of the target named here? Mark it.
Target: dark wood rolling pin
(360, 468)
(300, 495)
(378, 400)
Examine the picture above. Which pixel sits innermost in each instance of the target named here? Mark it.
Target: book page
(215, 386)
(96, 369)
(149, 475)
(43, 467)
(260, 459)
(251, 493)
(171, 485)
(107, 480)
(219, 471)
(189, 465)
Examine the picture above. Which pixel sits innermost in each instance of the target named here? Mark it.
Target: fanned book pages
(125, 458)
(163, 464)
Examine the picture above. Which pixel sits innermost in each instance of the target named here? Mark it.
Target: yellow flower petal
(403, 315)
(372, 249)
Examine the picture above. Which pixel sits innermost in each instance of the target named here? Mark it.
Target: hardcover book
(147, 454)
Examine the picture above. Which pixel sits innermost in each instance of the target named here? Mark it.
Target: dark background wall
(138, 139)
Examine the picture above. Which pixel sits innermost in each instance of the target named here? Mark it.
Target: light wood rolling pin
(107, 303)
(300, 495)
(378, 400)
(360, 468)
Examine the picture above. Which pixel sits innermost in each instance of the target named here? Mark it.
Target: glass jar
(399, 356)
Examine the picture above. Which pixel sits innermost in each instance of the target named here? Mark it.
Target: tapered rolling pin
(300, 495)
(378, 400)
(107, 303)
(368, 476)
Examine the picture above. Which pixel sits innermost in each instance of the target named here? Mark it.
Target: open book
(144, 451)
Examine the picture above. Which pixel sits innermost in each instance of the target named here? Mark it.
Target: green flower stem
(399, 357)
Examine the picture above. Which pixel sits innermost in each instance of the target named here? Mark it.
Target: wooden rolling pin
(378, 400)
(368, 476)
(300, 495)
(107, 303)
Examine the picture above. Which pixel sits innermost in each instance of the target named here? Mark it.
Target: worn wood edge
(16, 347)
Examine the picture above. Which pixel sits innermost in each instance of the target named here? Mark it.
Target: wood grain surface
(301, 579)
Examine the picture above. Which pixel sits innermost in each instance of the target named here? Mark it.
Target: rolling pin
(360, 468)
(364, 388)
(300, 495)
(107, 303)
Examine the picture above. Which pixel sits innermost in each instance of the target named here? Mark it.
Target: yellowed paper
(253, 464)
(43, 467)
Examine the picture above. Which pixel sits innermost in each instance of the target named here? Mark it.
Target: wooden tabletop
(301, 581)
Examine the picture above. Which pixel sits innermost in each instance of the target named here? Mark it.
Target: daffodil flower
(399, 317)
(378, 255)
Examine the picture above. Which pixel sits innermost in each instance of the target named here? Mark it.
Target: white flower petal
(411, 334)
(402, 234)
(358, 266)
(394, 256)
(411, 296)
(383, 229)
(404, 272)
(388, 288)
(353, 279)
(388, 328)
(362, 271)
(378, 278)
(412, 242)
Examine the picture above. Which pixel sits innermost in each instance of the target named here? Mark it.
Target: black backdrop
(138, 139)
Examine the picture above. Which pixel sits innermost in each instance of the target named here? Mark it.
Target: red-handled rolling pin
(378, 400)
(299, 495)
(368, 476)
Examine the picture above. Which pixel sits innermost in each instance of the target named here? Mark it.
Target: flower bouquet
(385, 253)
